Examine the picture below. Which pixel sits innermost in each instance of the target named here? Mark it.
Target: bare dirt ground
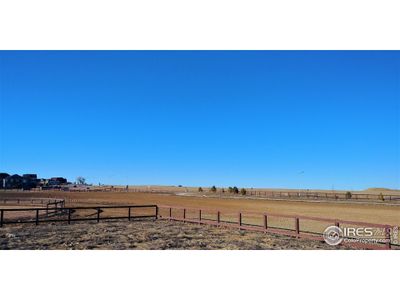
(374, 213)
(144, 235)
(81, 236)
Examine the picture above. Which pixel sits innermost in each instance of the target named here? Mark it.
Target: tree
(243, 191)
(348, 195)
(235, 190)
(80, 180)
(230, 189)
(200, 189)
(213, 189)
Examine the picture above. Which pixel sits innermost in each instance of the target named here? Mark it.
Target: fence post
(337, 224)
(265, 223)
(69, 216)
(156, 212)
(129, 213)
(170, 213)
(240, 220)
(199, 216)
(184, 214)
(297, 225)
(37, 217)
(218, 217)
(387, 233)
(98, 215)
(1, 218)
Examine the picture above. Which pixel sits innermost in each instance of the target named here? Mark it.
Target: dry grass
(375, 213)
(145, 235)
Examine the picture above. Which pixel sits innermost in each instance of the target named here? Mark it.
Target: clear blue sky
(296, 119)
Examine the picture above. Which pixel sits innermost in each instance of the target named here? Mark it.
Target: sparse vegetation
(213, 189)
(243, 191)
(235, 190)
(230, 189)
(200, 189)
(348, 195)
(143, 235)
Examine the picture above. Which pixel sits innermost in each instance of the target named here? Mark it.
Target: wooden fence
(290, 225)
(71, 214)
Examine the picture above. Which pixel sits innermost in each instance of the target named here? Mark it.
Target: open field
(253, 209)
(178, 189)
(145, 235)
(375, 213)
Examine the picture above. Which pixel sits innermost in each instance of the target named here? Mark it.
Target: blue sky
(295, 119)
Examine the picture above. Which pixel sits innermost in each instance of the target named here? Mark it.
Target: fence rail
(282, 224)
(70, 214)
(328, 195)
(30, 200)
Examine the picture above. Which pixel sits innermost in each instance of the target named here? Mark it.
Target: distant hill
(381, 190)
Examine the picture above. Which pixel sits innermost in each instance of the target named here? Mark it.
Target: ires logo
(357, 232)
(334, 235)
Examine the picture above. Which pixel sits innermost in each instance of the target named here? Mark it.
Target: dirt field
(229, 207)
(375, 213)
(150, 235)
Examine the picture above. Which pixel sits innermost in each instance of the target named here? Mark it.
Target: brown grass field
(145, 235)
(381, 213)
(374, 213)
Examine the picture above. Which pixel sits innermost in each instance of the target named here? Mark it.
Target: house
(13, 182)
(3, 177)
(29, 181)
(57, 181)
(30, 176)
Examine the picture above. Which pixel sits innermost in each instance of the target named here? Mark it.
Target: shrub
(200, 189)
(213, 189)
(243, 191)
(235, 190)
(230, 189)
(348, 195)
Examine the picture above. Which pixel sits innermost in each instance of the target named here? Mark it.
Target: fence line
(281, 224)
(214, 218)
(249, 192)
(70, 211)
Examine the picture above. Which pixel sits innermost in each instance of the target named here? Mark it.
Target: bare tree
(80, 180)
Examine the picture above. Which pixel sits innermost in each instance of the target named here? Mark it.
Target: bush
(230, 189)
(213, 189)
(348, 195)
(235, 190)
(200, 189)
(243, 191)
